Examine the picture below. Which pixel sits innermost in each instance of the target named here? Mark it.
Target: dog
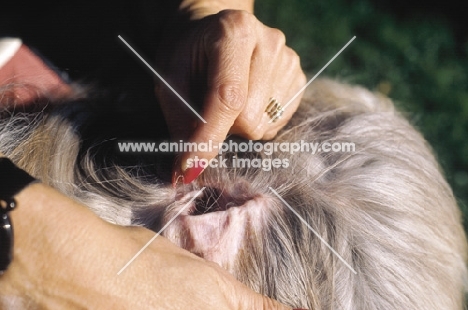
(377, 227)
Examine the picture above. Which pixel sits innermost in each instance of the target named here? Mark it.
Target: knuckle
(278, 36)
(294, 57)
(293, 62)
(270, 135)
(254, 131)
(249, 119)
(254, 135)
(299, 78)
(232, 97)
(237, 23)
(276, 41)
(302, 78)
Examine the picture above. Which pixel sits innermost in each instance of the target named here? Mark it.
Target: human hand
(65, 257)
(228, 65)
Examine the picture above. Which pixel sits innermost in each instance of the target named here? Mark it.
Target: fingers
(296, 80)
(228, 88)
(283, 83)
(247, 64)
(265, 71)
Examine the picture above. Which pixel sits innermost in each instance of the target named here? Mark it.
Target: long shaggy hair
(385, 208)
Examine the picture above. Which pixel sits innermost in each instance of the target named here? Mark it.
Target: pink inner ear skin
(217, 236)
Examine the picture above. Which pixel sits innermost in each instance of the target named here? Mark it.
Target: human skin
(65, 257)
(228, 64)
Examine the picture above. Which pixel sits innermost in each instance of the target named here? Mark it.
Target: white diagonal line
(163, 80)
(311, 229)
(316, 75)
(159, 232)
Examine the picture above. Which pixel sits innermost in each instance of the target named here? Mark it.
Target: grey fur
(386, 208)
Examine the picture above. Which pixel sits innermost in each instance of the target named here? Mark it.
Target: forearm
(56, 241)
(65, 257)
(49, 233)
(201, 8)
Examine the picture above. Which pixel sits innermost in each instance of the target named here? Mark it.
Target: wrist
(52, 232)
(13, 180)
(197, 9)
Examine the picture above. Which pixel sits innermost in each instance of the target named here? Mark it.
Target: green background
(415, 55)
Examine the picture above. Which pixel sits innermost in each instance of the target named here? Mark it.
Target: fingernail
(192, 173)
(177, 177)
